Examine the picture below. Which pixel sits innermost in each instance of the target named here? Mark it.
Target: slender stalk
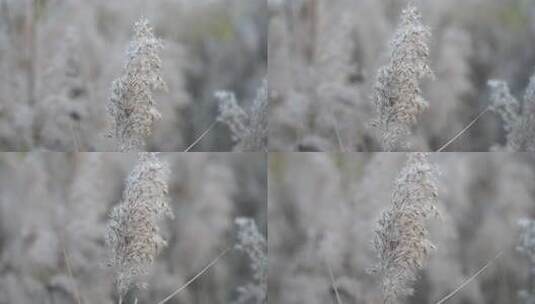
(201, 137)
(463, 130)
(467, 281)
(69, 271)
(212, 263)
(338, 137)
(331, 275)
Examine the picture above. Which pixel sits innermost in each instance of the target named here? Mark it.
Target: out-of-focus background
(54, 206)
(323, 208)
(58, 59)
(324, 57)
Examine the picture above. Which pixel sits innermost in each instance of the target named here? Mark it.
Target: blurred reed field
(57, 208)
(385, 223)
(259, 81)
(59, 58)
(332, 63)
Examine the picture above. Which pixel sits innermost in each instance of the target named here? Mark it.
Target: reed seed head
(131, 104)
(401, 239)
(132, 234)
(398, 96)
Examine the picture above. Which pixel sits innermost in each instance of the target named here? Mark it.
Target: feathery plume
(256, 139)
(249, 130)
(232, 114)
(398, 96)
(251, 242)
(401, 240)
(519, 120)
(131, 104)
(505, 104)
(132, 234)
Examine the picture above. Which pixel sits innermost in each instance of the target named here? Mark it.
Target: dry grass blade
(212, 263)
(331, 275)
(463, 130)
(467, 281)
(69, 270)
(201, 137)
(338, 137)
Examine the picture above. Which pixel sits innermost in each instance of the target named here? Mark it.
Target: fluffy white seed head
(398, 98)
(253, 243)
(131, 104)
(132, 234)
(256, 137)
(249, 129)
(504, 103)
(519, 120)
(401, 239)
(232, 114)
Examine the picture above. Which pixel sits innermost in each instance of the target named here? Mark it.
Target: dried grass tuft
(132, 234)
(398, 96)
(401, 240)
